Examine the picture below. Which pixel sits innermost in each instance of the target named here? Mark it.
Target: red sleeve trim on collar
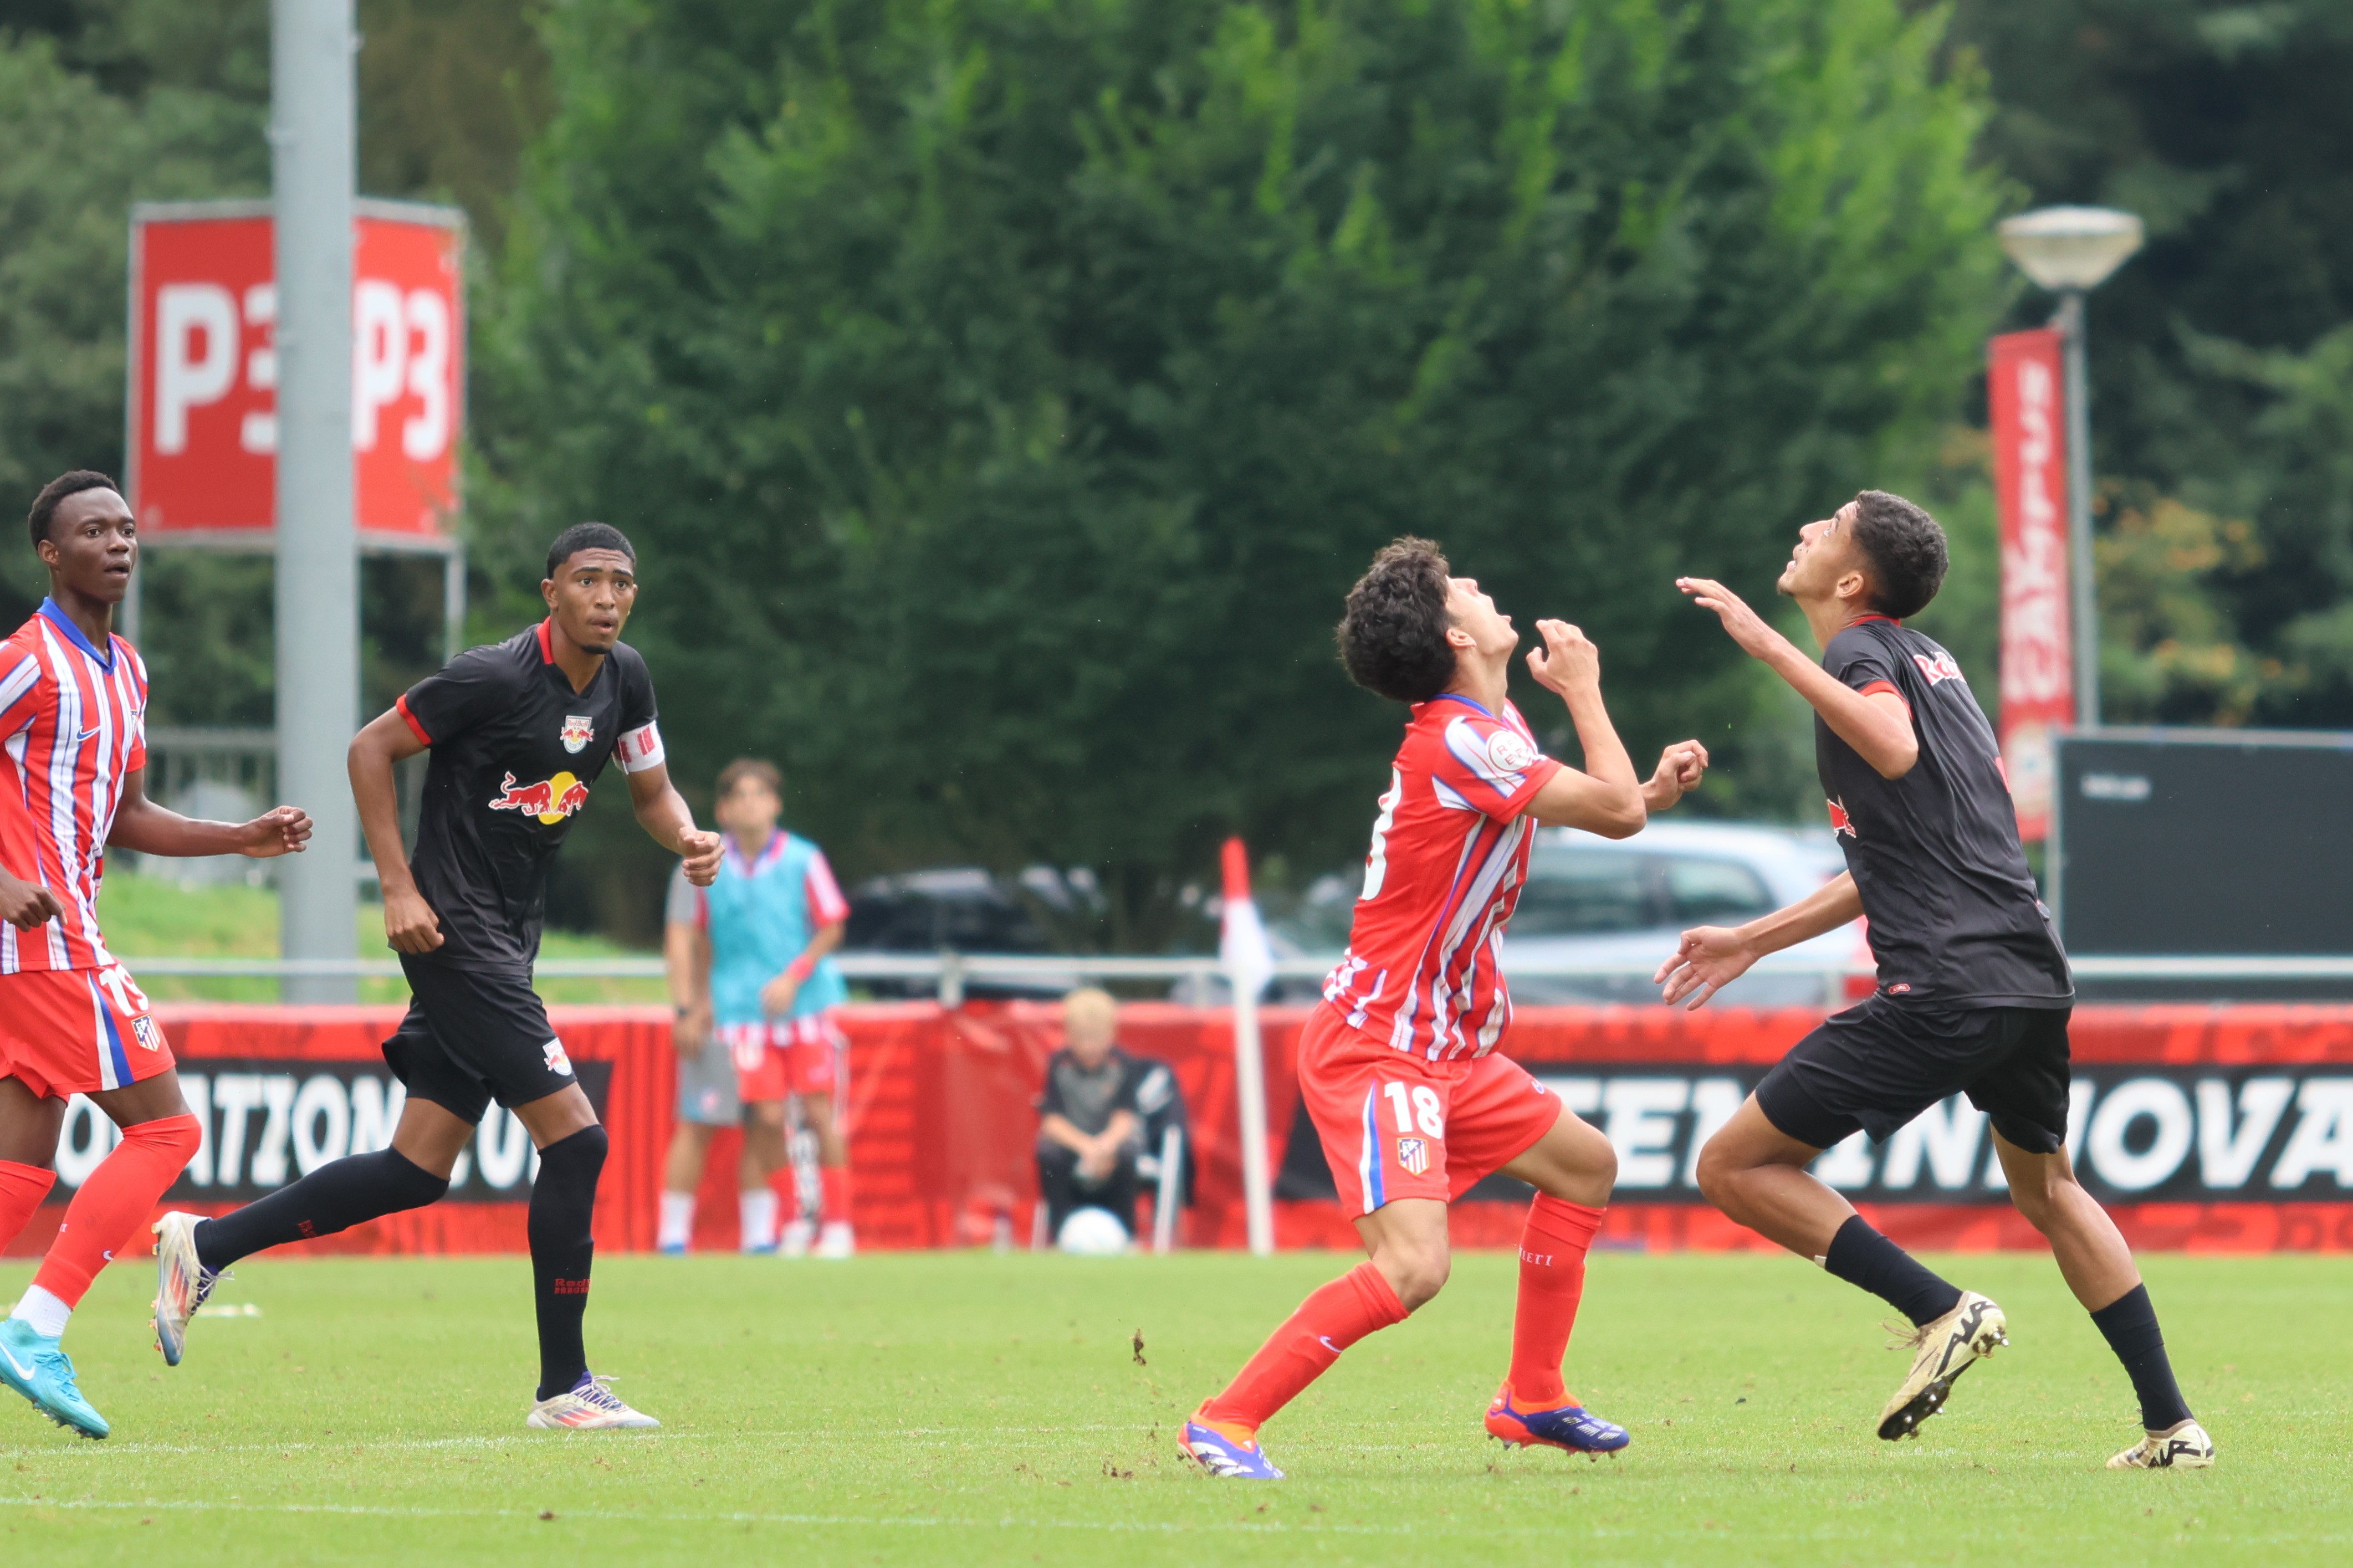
(546, 648)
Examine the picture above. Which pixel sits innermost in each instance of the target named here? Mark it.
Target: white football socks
(759, 1212)
(676, 1225)
(43, 1310)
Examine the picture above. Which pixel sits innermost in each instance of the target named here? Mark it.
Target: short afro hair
(1393, 637)
(1903, 549)
(53, 495)
(583, 536)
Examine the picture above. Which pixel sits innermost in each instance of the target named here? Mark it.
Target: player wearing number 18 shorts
(1398, 1067)
(73, 761)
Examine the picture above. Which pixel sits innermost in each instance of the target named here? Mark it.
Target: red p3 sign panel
(204, 368)
(2029, 475)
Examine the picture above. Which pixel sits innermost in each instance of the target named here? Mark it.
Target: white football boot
(590, 1406)
(2183, 1446)
(181, 1282)
(794, 1240)
(1943, 1349)
(836, 1241)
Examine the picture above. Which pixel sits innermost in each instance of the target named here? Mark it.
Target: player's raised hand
(281, 830)
(1681, 767)
(27, 906)
(409, 923)
(1567, 661)
(702, 851)
(1709, 959)
(1746, 626)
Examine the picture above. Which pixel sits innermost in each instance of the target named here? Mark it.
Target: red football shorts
(1397, 1125)
(788, 1057)
(76, 1031)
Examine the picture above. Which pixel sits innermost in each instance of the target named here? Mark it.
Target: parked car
(1619, 906)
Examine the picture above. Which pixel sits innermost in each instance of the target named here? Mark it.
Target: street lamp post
(2071, 251)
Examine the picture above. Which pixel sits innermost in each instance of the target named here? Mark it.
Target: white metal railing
(951, 972)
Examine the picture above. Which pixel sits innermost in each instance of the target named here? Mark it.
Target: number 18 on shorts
(1395, 1125)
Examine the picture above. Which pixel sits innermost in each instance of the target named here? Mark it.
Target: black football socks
(1861, 1256)
(2130, 1324)
(336, 1196)
(562, 1204)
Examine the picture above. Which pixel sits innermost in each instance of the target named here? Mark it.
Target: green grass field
(152, 917)
(980, 1408)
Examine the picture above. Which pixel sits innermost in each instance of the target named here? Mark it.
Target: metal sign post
(312, 135)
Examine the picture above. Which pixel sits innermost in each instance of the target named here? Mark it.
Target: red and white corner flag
(1242, 937)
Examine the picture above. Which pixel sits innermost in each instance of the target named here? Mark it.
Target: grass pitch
(979, 1408)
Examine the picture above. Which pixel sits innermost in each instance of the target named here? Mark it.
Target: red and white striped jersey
(72, 723)
(1450, 855)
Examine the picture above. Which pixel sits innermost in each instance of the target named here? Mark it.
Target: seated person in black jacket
(1087, 1120)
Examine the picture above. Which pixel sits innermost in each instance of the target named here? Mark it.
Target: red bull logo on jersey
(577, 732)
(1413, 1154)
(550, 800)
(1941, 667)
(1839, 822)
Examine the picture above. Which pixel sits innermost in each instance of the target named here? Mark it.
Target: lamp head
(2070, 247)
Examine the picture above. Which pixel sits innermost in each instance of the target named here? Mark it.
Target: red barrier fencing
(2220, 1128)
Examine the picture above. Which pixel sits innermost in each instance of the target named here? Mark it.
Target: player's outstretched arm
(662, 812)
(1712, 957)
(1606, 798)
(150, 829)
(1879, 727)
(409, 923)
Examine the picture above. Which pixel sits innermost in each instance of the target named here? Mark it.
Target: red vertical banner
(204, 368)
(2026, 391)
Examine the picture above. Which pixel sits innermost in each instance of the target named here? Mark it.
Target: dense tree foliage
(1006, 393)
(2223, 357)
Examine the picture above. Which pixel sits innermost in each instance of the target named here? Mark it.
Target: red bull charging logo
(1840, 821)
(551, 800)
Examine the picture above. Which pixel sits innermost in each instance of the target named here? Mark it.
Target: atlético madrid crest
(1413, 1154)
(577, 732)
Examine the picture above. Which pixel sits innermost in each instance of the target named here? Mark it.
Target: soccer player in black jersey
(518, 731)
(1974, 990)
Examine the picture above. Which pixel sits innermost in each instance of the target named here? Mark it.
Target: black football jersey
(1954, 922)
(514, 751)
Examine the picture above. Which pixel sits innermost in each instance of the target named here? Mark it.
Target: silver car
(1598, 916)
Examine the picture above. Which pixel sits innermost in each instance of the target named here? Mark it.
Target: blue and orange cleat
(1225, 1450)
(1568, 1425)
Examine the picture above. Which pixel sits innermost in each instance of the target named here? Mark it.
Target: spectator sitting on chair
(1087, 1121)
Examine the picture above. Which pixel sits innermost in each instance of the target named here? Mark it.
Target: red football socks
(1309, 1341)
(834, 1180)
(115, 1202)
(1551, 1283)
(786, 1184)
(22, 1188)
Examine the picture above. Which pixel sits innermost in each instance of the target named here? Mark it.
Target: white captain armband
(640, 749)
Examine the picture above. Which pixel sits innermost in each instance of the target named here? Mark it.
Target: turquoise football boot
(33, 1364)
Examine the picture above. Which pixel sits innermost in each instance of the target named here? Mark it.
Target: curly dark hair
(73, 482)
(1393, 637)
(1903, 549)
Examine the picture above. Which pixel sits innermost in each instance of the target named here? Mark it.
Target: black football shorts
(1878, 1065)
(473, 1036)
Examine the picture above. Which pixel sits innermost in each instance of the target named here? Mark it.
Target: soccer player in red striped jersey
(73, 758)
(1398, 1067)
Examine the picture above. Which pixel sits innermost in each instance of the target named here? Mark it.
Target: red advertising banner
(2225, 1129)
(204, 368)
(2025, 390)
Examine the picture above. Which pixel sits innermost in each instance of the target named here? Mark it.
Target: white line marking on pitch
(93, 1453)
